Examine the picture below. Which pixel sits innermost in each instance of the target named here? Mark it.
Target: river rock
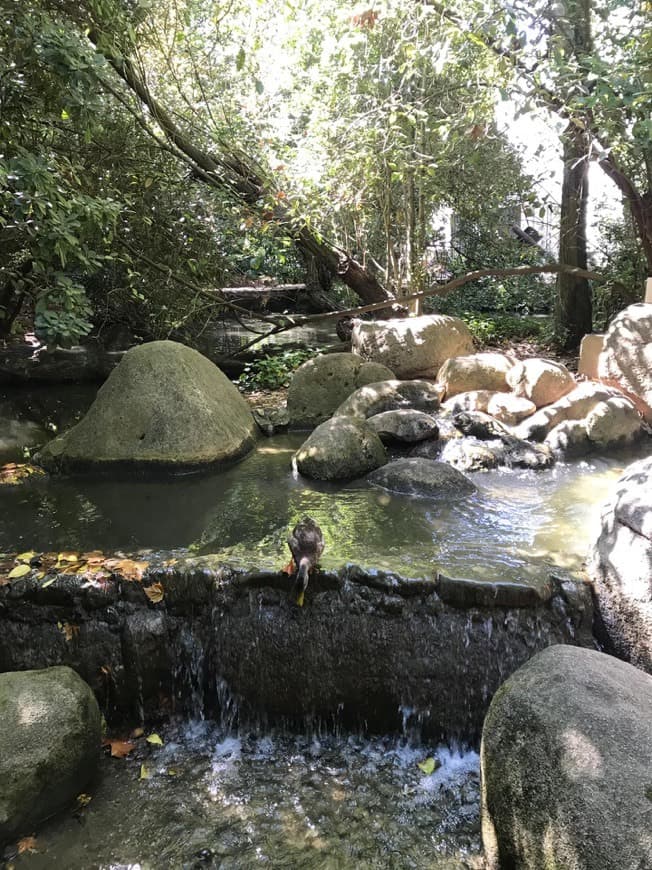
(574, 406)
(540, 380)
(473, 454)
(615, 422)
(473, 400)
(425, 477)
(566, 759)
(412, 347)
(620, 566)
(164, 406)
(626, 357)
(391, 396)
(342, 448)
(50, 734)
(508, 408)
(479, 425)
(406, 426)
(320, 385)
(476, 371)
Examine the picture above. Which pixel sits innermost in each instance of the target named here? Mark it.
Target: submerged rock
(412, 347)
(342, 448)
(319, 386)
(620, 566)
(50, 733)
(427, 477)
(404, 426)
(164, 406)
(566, 760)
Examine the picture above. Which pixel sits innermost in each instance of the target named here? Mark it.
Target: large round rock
(412, 347)
(626, 357)
(50, 731)
(391, 396)
(425, 477)
(476, 371)
(567, 765)
(320, 385)
(340, 449)
(165, 405)
(620, 565)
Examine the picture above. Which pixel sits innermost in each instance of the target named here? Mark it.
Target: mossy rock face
(165, 405)
(50, 731)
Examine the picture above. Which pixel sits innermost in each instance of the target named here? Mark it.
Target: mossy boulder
(164, 406)
(50, 732)
(342, 448)
(320, 385)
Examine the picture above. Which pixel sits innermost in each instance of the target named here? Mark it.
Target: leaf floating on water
(48, 582)
(144, 772)
(19, 571)
(430, 765)
(154, 739)
(26, 557)
(27, 844)
(155, 592)
(67, 557)
(129, 569)
(119, 748)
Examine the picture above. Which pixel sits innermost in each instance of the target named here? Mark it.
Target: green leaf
(429, 765)
(240, 59)
(155, 740)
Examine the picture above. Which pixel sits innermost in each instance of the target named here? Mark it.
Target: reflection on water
(237, 802)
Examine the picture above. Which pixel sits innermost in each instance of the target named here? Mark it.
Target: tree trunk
(573, 308)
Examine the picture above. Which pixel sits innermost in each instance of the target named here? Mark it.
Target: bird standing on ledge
(306, 544)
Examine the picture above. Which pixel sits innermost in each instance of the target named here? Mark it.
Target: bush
(501, 328)
(273, 372)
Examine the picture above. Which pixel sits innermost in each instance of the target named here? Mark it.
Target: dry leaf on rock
(155, 592)
(27, 844)
(119, 748)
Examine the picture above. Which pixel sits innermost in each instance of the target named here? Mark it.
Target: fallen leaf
(48, 582)
(137, 732)
(430, 765)
(128, 568)
(27, 844)
(154, 739)
(119, 748)
(84, 799)
(69, 630)
(26, 557)
(169, 562)
(144, 772)
(289, 568)
(19, 571)
(155, 592)
(67, 557)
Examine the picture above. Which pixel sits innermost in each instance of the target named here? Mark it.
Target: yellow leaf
(48, 582)
(155, 593)
(137, 732)
(40, 575)
(84, 799)
(144, 772)
(67, 557)
(429, 766)
(26, 557)
(155, 739)
(19, 571)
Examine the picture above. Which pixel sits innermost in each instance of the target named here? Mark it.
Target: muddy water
(238, 802)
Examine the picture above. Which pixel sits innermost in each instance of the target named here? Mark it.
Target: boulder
(626, 357)
(615, 422)
(164, 406)
(540, 380)
(568, 439)
(391, 396)
(508, 408)
(473, 400)
(620, 566)
(320, 385)
(574, 406)
(406, 426)
(566, 758)
(479, 425)
(342, 448)
(50, 732)
(422, 477)
(476, 371)
(412, 347)
(473, 454)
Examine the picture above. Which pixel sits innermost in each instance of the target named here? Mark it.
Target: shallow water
(217, 800)
(516, 525)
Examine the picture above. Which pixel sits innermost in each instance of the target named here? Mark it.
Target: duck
(306, 544)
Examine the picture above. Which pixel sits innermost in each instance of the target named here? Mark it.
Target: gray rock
(164, 406)
(425, 477)
(50, 734)
(479, 425)
(271, 420)
(566, 760)
(574, 406)
(625, 357)
(473, 454)
(405, 426)
(620, 566)
(542, 381)
(342, 448)
(391, 396)
(412, 347)
(320, 385)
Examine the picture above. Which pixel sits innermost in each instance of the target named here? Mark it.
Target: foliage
(624, 268)
(273, 371)
(495, 329)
